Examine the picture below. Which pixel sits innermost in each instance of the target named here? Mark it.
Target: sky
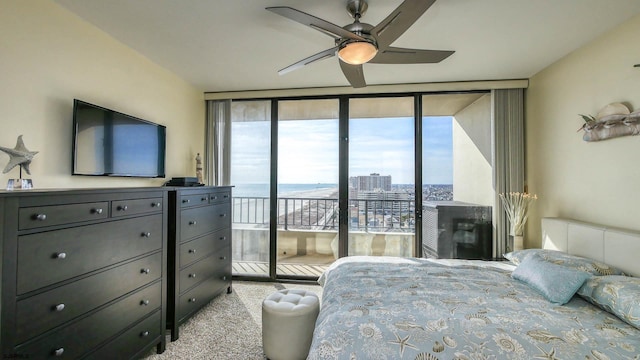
(308, 150)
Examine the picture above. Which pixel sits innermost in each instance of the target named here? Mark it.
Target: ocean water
(284, 190)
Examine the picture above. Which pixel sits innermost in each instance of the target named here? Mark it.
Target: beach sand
(312, 209)
(324, 193)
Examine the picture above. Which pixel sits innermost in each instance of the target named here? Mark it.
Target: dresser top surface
(66, 191)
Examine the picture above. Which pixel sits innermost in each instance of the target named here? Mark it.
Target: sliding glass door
(381, 176)
(307, 175)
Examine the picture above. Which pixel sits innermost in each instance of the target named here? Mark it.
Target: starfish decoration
(402, 342)
(551, 355)
(19, 155)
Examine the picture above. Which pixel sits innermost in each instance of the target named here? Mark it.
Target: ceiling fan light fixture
(357, 52)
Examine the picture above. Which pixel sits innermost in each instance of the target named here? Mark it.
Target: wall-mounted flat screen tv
(109, 143)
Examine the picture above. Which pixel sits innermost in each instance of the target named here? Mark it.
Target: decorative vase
(518, 242)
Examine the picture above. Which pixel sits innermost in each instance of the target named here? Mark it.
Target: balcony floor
(295, 265)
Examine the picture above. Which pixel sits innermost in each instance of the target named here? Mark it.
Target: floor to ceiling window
(250, 175)
(381, 176)
(307, 176)
(457, 191)
(396, 158)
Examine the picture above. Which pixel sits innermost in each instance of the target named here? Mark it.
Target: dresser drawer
(203, 246)
(193, 200)
(39, 216)
(220, 196)
(127, 345)
(79, 337)
(201, 220)
(200, 295)
(205, 268)
(136, 206)
(45, 311)
(48, 257)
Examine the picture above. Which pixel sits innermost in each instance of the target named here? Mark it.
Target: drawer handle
(203, 199)
(186, 201)
(223, 258)
(226, 196)
(155, 204)
(123, 207)
(193, 222)
(224, 278)
(223, 215)
(58, 352)
(144, 302)
(144, 334)
(60, 255)
(145, 271)
(192, 300)
(222, 238)
(192, 251)
(214, 198)
(146, 234)
(192, 275)
(40, 217)
(59, 307)
(96, 211)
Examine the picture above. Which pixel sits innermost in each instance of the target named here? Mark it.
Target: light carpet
(230, 327)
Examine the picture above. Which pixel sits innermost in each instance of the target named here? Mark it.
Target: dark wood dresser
(83, 273)
(199, 250)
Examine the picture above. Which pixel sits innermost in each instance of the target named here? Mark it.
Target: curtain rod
(373, 89)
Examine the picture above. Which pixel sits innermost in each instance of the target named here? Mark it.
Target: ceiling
(233, 45)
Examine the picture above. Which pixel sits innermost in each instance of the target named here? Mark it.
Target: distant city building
(397, 200)
(372, 182)
(437, 193)
(383, 195)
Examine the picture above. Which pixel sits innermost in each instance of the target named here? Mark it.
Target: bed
(395, 308)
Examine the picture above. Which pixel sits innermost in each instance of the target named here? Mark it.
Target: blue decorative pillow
(591, 266)
(556, 283)
(619, 295)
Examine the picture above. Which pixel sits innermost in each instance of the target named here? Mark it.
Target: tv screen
(109, 143)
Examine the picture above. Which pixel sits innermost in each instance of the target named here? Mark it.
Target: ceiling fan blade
(354, 74)
(316, 57)
(394, 55)
(394, 25)
(323, 26)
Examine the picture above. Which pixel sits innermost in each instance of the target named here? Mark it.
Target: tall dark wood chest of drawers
(83, 273)
(199, 250)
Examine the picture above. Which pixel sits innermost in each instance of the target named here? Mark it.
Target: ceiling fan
(359, 43)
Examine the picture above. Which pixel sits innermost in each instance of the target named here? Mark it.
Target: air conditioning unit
(456, 230)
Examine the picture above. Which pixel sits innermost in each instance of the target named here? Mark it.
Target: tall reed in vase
(516, 205)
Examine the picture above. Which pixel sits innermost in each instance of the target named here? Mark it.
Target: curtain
(507, 111)
(217, 142)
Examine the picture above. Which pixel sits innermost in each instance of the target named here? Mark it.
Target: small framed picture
(19, 184)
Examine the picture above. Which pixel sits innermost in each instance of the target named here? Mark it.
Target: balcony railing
(322, 214)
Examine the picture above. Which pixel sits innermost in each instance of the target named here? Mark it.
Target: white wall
(472, 167)
(590, 181)
(48, 57)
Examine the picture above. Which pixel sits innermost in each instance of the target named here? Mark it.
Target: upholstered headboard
(617, 247)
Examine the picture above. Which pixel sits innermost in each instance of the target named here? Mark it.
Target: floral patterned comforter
(390, 308)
